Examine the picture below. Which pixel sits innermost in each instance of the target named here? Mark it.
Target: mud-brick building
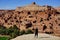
(46, 18)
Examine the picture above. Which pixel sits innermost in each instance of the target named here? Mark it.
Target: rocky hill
(46, 18)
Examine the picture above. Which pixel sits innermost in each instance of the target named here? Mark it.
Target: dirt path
(40, 37)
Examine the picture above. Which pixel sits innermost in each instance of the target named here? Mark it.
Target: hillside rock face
(46, 18)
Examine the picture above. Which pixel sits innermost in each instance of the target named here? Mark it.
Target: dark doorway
(28, 25)
(29, 13)
(44, 27)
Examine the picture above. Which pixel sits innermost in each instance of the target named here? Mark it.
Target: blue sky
(12, 4)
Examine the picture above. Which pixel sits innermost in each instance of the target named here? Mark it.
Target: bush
(2, 27)
(13, 35)
(4, 38)
(29, 31)
(26, 32)
(2, 30)
(13, 31)
(16, 32)
(22, 32)
(15, 27)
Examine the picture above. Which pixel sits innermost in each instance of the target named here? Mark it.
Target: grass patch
(4, 38)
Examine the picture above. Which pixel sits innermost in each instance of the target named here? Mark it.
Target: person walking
(36, 32)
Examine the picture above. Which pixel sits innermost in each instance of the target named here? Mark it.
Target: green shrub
(15, 27)
(13, 35)
(2, 27)
(29, 31)
(4, 38)
(22, 32)
(14, 31)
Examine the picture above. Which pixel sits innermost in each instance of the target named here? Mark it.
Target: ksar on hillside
(46, 18)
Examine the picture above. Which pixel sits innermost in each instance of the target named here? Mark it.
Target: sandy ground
(40, 37)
